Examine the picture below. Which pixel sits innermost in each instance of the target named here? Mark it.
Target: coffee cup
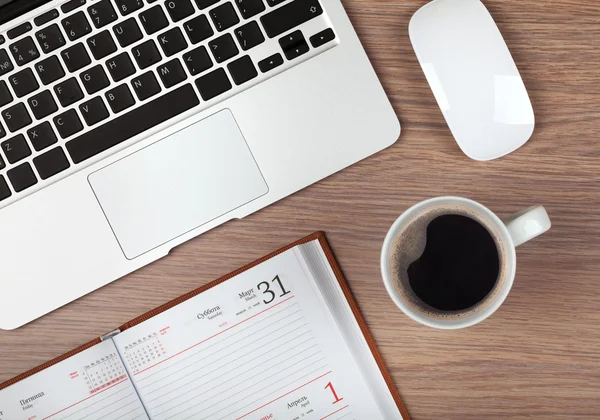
(450, 262)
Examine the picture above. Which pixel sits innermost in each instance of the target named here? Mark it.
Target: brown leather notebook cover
(320, 236)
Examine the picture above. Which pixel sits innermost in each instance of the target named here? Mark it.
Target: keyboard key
(2, 134)
(172, 73)
(294, 45)
(152, 113)
(5, 63)
(145, 86)
(322, 38)
(49, 70)
(242, 70)
(289, 16)
(72, 5)
(22, 177)
(153, 20)
(172, 42)
(213, 84)
(224, 17)
(15, 149)
(16, 117)
(223, 48)
(42, 19)
(270, 63)
(75, 57)
(67, 123)
(94, 79)
(249, 36)
(101, 45)
(2, 39)
(197, 61)
(274, 2)
(120, 98)
(102, 13)
(24, 51)
(51, 163)
(23, 82)
(203, 4)
(120, 67)
(19, 30)
(42, 104)
(93, 111)
(4, 189)
(5, 95)
(179, 9)
(76, 26)
(146, 54)
(198, 29)
(129, 6)
(68, 92)
(127, 32)
(50, 38)
(42, 136)
(250, 8)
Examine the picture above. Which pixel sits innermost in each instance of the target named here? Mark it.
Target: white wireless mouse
(473, 77)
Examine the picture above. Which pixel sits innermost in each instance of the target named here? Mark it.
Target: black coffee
(459, 266)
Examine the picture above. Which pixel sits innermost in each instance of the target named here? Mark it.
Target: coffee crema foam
(409, 245)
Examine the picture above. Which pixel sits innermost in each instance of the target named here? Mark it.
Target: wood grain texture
(539, 355)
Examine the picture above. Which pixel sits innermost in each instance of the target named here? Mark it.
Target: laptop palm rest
(178, 184)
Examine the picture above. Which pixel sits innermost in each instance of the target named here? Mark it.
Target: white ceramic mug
(512, 232)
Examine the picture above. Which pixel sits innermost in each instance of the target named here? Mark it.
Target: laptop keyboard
(86, 77)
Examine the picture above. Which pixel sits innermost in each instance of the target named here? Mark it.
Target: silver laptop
(128, 127)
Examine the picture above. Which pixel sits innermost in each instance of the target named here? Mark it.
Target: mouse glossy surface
(473, 77)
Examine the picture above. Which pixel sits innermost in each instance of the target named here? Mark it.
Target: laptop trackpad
(178, 184)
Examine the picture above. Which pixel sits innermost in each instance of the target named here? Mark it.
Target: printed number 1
(335, 395)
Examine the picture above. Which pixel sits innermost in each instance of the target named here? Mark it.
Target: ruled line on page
(208, 399)
(215, 386)
(215, 335)
(107, 415)
(280, 397)
(100, 409)
(297, 336)
(234, 395)
(146, 395)
(186, 367)
(128, 413)
(335, 412)
(91, 396)
(285, 386)
(295, 305)
(208, 381)
(97, 402)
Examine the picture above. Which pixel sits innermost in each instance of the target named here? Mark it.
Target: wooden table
(539, 355)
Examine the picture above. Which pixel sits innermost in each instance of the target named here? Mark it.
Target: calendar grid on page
(144, 351)
(104, 372)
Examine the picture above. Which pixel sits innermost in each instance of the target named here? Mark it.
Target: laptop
(128, 127)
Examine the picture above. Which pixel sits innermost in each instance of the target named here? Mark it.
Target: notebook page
(314, 260)
(262, 345)
(91, 385)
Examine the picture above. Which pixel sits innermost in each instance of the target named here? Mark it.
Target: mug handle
(528, 224)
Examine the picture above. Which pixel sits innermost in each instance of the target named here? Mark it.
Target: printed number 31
(268, 290)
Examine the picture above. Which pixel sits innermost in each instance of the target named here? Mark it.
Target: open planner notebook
(281, 338)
